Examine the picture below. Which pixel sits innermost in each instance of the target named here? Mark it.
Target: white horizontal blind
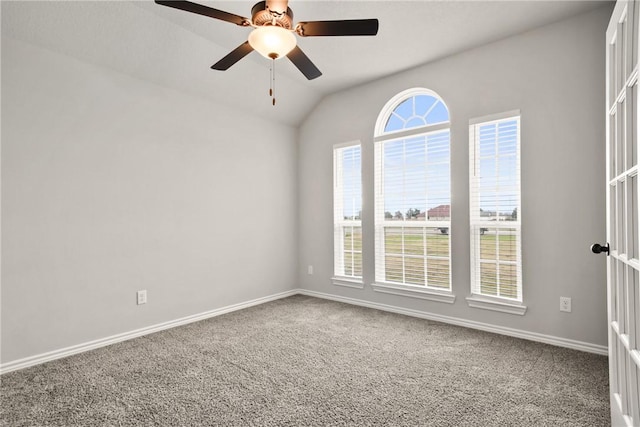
(347, 203)
(413, 210)
(495, 216)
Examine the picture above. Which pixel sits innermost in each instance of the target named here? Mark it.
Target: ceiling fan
(273, 32)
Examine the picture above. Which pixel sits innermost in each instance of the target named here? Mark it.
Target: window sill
(477, 301)
(415, 292)
(347, 282)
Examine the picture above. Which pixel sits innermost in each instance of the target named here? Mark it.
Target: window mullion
(424, 254)
(498, 282)
(404, 199)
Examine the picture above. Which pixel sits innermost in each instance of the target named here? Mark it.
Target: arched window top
(413, 108)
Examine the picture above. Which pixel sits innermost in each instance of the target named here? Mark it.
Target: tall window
(496, 269)
(413, 192)
(347, 203)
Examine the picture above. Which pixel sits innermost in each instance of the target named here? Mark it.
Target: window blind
(347, 202)
(413, 210)
(495, 208)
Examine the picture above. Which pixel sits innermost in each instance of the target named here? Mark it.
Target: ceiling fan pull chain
(271, 79)
(273, 83)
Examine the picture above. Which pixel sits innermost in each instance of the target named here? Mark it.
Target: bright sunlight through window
(347, 205)
(496, 269)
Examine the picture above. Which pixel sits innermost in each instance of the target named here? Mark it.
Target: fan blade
(205, 11)
(349, 27)
(236, 55)
(303, 63)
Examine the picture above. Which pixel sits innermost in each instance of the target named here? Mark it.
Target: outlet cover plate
(565, 304)
(141, 297)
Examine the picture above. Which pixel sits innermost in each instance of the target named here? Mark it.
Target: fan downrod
(262, 15)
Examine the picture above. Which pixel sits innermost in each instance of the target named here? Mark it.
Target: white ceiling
(175, 49)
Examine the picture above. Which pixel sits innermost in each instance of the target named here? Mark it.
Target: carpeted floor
(303, 361)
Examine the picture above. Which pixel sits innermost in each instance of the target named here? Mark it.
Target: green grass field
(496, 277)
(353, 252)
(412, 251)
(411, 256)
(503, 245)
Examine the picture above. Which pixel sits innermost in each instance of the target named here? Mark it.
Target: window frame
(380, 138)
(339, 278)
(476, 298)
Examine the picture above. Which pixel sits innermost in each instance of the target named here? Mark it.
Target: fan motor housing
(261, 15)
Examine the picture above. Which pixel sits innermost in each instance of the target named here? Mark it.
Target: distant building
(439, 213)
(493, 216)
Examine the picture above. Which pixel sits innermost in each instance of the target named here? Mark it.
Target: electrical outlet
(142, 297)
(565, 304)
(310, 269)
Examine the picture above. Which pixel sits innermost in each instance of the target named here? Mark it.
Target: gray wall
(555, 75)
(111, 185)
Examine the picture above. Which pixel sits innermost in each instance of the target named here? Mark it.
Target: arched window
(417, 111)
(413, 193)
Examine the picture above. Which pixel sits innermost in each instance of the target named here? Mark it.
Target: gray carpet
(304, 361)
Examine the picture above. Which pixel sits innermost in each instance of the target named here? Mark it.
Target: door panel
(623, 235)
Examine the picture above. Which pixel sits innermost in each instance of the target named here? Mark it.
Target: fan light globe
(271, 41)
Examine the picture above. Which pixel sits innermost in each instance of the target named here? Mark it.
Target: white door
(623, 234)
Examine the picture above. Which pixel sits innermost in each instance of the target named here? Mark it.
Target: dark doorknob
(597, 248)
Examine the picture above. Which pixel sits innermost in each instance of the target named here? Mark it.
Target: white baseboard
(91, 345)
(517, 333)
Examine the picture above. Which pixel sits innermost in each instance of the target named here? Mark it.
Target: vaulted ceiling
(175, 49)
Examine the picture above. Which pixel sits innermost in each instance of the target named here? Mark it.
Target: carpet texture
(304, 361)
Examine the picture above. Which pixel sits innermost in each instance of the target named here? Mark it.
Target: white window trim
(393, 103)
(494, 117)
(416, 291)
(380, 136)
(401, 134)
(488, 303)
(501, 304)
(338, 244)
(347, 282)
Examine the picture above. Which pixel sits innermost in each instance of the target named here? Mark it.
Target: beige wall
(111, 185)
